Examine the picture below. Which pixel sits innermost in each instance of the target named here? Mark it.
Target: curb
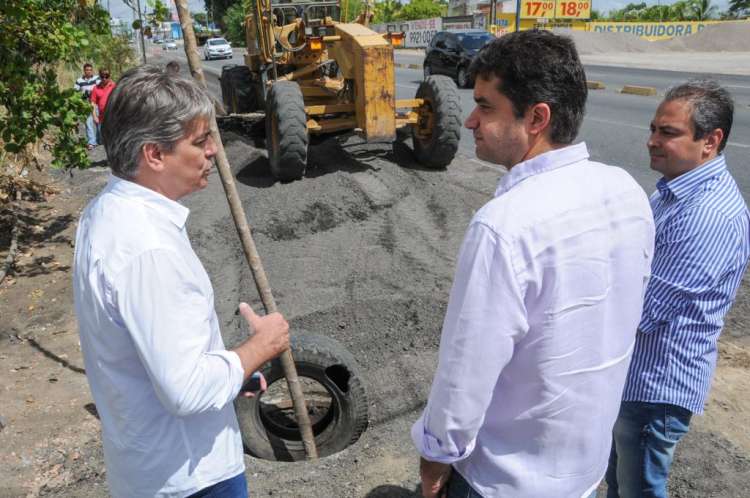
(595, 85)
(646, 91)
(407, 66)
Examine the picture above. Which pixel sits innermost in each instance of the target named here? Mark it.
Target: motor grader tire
(286, 131)
(237, 89)
(438, 131)
(268, 425)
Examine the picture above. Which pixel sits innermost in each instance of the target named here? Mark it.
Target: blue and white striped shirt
(702, 250)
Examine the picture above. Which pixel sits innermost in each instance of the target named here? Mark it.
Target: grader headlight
(315, 43)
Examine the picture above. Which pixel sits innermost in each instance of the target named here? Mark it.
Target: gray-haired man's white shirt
(159, 373)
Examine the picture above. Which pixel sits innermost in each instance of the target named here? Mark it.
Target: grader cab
(314, 75)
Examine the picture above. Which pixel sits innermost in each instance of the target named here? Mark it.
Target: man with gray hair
(702, 249)
(159, 373)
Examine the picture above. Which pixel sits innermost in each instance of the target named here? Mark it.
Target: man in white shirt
(159, 373)
(547, 294)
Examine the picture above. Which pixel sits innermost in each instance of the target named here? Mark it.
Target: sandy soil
(362, 250)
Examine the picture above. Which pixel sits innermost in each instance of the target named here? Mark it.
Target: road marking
(738, 86)
(646, 128)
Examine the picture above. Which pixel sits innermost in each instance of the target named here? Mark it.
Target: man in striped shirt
(701, 253)
(85, 84)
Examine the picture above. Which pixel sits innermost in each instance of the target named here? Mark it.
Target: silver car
(217, 48)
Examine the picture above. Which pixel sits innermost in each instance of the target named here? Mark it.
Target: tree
(700, 10)
(38, 35)
(234, 24)
(739, 8)
(386, 11)
(350, 9)
(421, 9)
(159, 13)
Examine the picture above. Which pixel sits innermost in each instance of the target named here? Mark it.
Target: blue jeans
(643, 443)
(235, 487)
(458, 487)
(92, 131)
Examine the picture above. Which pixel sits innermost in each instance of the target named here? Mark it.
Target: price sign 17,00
(535, 9)
(571, 9)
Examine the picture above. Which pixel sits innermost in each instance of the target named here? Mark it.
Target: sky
(119, 10)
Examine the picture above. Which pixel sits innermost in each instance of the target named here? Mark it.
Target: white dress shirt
(539, 329)
(159, 373)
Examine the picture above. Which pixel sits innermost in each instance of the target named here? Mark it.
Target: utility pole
(143, 43)
(518, 15)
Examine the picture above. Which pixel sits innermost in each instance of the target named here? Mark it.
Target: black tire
(286, 131)
(438, 131)
(238, 90)
(271, 433)
(463, 80)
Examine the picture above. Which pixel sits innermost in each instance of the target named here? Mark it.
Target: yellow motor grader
(314, 75)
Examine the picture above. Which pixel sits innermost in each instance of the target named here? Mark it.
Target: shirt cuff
(431, 448)
(236, 372)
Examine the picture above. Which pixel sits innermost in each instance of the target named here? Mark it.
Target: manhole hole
(335, 397)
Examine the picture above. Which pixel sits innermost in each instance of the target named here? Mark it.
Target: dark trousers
(235, 487)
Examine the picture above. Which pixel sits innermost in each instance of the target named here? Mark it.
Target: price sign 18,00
(571, 9)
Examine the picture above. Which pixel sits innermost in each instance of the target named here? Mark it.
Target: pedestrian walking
(161, 378)
(99, 95)
(85, 84)
(547, 294)
(702, 250)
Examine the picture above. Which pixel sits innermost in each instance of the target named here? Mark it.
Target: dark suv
(451, 52)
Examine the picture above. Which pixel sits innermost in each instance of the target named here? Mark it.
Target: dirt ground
(362, 250)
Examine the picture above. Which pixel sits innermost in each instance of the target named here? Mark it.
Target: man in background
(702, 251)
(85, 84)
(547, 293)
(99, 96)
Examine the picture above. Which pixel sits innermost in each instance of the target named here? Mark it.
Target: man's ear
(713, 142)
(152, 157)
(538, 118)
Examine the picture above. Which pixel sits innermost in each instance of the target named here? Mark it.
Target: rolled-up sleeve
(486, 316)
(170, 319)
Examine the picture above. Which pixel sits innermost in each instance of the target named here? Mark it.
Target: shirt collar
(174, 211)
(686, 183)
(548, 161)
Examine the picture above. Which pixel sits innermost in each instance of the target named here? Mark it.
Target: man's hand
(434, 478)
(254, 386)
(270, 338)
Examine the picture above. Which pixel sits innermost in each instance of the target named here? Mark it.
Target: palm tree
(700, 10)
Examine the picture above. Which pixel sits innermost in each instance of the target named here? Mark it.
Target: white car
(169, 45)
(217, 48)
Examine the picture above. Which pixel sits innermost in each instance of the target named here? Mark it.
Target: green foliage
(386, 11)
(682, 10)
(234, 24)
(159, 13)
(36, 36)
(350, 9)
(200, 18)
(739, 8)
(421, 9)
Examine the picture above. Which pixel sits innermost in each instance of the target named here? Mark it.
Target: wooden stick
(248, 244)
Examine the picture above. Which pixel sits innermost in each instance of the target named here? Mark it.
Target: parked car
(169, 45)
(451, 52)
(217, 48)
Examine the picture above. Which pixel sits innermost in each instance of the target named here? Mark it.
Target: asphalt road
(615, 127)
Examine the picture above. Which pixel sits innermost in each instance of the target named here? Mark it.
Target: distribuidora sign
(650, 30)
